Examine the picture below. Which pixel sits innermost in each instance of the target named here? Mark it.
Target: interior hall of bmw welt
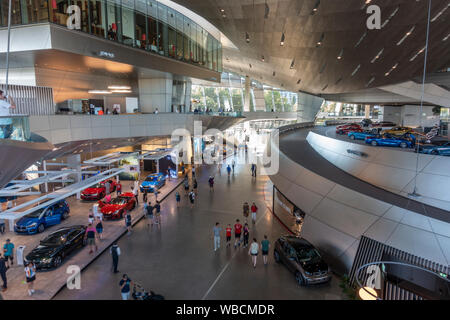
(207, 153)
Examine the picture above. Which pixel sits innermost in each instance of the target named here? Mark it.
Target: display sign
(132, 168)
(288, 213)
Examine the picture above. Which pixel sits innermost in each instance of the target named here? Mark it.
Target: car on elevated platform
(98, 191)
(153, 180)
(39, 220)
(52, 250)
(115, 209)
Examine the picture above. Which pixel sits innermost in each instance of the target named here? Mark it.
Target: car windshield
(36, 213)
(55, 239)
(98, 185)
(118, 201)
(306, 253)
(151, 178)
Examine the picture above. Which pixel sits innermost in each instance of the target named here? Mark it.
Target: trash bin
(19, 255)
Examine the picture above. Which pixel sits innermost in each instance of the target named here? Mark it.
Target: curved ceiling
(317, 32)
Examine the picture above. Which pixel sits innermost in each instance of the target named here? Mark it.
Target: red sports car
(98, 191)
(116, 208)
(346, 128)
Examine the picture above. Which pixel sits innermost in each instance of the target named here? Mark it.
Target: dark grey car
(302, 259)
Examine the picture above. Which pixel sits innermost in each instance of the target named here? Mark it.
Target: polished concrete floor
(178, 260)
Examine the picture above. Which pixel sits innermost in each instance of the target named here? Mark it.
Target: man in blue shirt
(125, 287)
(216, 231)
(8, 250)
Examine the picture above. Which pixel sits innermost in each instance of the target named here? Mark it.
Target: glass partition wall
(144, 24)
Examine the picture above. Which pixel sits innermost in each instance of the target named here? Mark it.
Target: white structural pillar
(367, 111)
(155, 93)
(247, 94)
(74, 162)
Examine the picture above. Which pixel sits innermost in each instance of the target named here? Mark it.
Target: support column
(247, 88)
(74, 162)
(367, 111)
(155, 93)
(44, 166)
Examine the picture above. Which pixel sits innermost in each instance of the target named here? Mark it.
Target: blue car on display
(40, 219)
(354, 135)
(441, 148)
(153, 180)
(391, 141)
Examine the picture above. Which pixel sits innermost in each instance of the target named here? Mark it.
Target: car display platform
(48, 283)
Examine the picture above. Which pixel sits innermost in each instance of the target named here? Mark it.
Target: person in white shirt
(253, 251)
(6, 103)
(30, 275)
(97, 213)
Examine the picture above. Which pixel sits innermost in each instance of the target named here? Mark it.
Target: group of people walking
(246, 209)
(241, 235)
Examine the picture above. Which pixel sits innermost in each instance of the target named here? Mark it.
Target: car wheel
(340, 132)
(374, 143)
(434, 152)
(352, 137)
(403, 145)
(299, 278)
(41, 228)
(374, 131)
(276, 256)
(57, 261)
(65, 215)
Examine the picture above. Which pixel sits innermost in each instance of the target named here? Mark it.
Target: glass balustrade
(144, 24)
(15, 127)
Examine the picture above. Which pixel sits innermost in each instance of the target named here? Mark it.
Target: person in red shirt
(228, 233)
(237, 234)
(119, 188)
(254, 208)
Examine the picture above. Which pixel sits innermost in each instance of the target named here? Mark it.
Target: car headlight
(33, 225)
(46, 260)
(308, 273)
(116, 212)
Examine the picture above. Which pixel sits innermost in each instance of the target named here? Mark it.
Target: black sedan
(301, 258)
(56, 246)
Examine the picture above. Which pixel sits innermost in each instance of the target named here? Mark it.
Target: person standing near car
(119, 189)
(99, 228)
(253, 251)
(30, 275)
(90, 235)
(125, 287)
(128, 221)
(6, 103)
(155, 192)
(107, 187)
(8, 252)
(136, 194)
(115, 253)
(144, 196)
(265, 244)
(195, 184)
(3, 269)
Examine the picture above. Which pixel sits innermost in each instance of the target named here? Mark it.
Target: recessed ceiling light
(377, 56)
(440, 13)
(406, 35)
(339, 57)
(282, 40)
(247, 37)
(99, 91)
(262, 58)
(222, 10)
(356, 70)
(292, 64)
(370, 81)
(119, 87)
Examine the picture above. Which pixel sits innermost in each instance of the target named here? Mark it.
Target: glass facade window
(144, 24)
(97, 16)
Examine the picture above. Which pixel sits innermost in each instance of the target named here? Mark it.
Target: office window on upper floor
(16, 17)
(33, 11)
(97, 12)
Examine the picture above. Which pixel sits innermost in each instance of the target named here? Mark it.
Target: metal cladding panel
(31, 100)
(370, 250)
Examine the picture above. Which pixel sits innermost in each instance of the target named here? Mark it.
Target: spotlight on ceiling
(282, 40)
(119, 87)
(99, 92)
(247, 37)
(292, 64)
(262, 58)
(316, 7)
